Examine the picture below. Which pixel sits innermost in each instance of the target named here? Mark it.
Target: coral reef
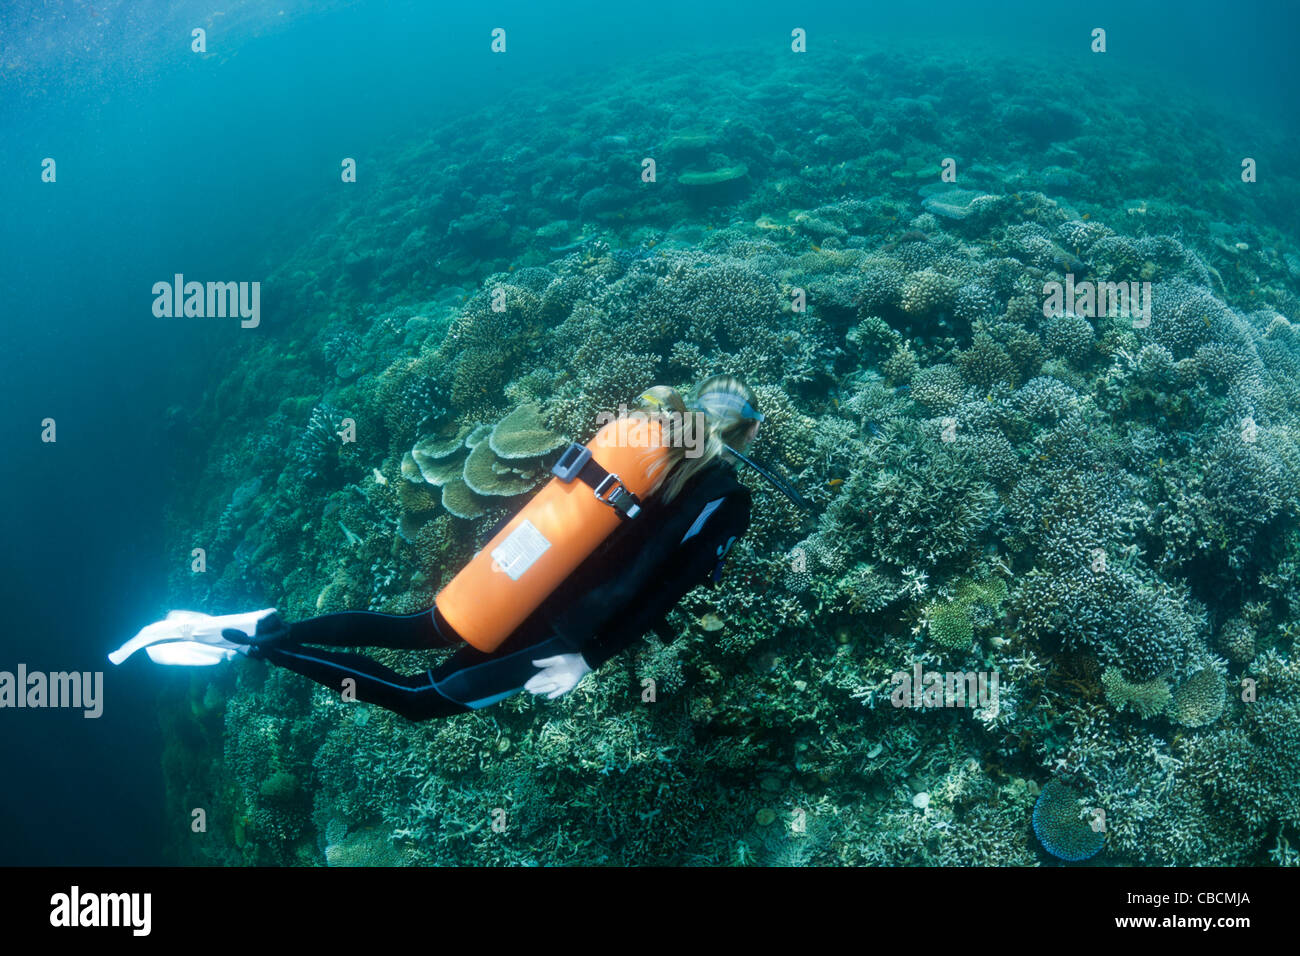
(1100, 510)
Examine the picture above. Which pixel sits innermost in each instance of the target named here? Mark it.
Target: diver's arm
(688, 564)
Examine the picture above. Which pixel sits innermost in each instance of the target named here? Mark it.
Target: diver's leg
(475, 679)
(359, 629)
(413, 696)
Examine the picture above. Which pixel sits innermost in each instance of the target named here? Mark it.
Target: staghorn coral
(938, 388)
(1249, 766)
(927, 292)
(985, 363)
(1069, 337)
(1237, 640)
(919, 504)
(1252, 475)
(1144, 628)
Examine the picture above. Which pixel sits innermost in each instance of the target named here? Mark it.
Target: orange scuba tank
(595, 487)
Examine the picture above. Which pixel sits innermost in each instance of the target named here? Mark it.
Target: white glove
(558, 675)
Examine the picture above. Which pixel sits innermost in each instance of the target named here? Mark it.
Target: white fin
(191, 627)
(189, 653)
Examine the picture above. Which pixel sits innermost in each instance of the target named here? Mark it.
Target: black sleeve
(609, 618)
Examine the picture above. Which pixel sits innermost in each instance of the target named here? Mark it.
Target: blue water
(172, 162)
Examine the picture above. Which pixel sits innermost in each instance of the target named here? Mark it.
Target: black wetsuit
(618, 594)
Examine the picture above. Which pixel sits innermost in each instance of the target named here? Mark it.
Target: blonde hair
(718, 403)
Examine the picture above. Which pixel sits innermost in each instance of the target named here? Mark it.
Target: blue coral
(1060, 826)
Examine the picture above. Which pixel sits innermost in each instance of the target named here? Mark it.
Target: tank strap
(577, 463)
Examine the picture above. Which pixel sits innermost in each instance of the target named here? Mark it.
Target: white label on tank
(519, 550)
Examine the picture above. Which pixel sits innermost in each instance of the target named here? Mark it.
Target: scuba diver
(663, 542)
